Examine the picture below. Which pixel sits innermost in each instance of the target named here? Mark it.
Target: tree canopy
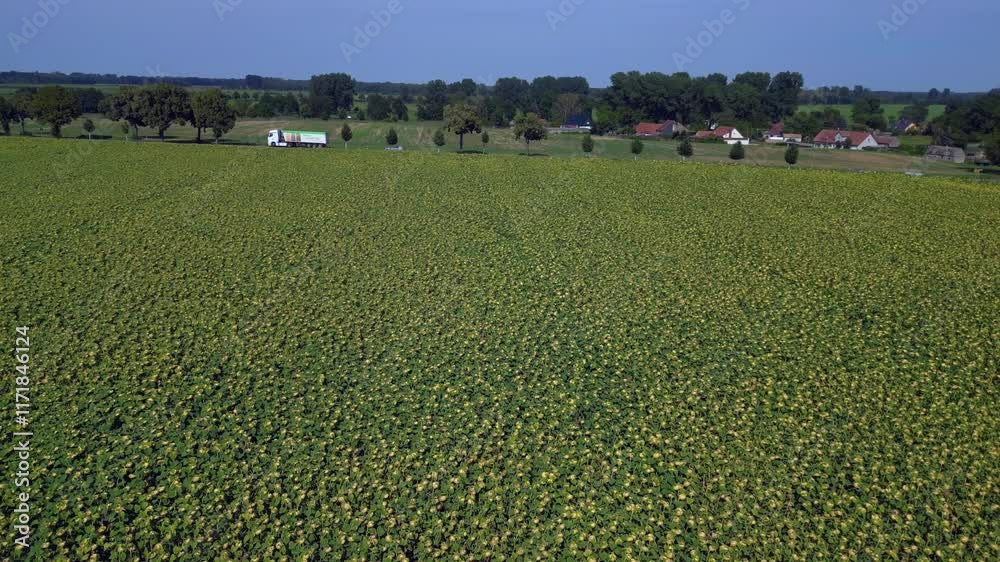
(529, 127)
(462, 119)
(55, 106)
(210, 110)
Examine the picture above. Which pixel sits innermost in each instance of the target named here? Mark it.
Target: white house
(855, 140)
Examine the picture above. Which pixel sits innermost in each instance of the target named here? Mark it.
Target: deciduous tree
(462, 119)
(210, 110)
(529, 127)
(6, 114)
(56, 106)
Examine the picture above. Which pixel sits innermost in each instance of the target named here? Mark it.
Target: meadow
(892, 110)
(243, 353)
(418, 136)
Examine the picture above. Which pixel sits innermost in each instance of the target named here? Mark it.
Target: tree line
(157, 106)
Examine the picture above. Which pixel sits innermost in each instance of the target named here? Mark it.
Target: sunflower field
(247, 354)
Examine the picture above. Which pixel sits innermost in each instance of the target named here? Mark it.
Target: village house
(729, 134)
(669, 128)
(855, 140)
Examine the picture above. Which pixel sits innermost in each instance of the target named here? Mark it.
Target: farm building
(946, 154)
(729, 134)
(668, 128)
(857, 140)
(887, 141)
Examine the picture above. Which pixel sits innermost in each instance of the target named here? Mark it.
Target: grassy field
(417, 136)
(239, 353)
(892, 110)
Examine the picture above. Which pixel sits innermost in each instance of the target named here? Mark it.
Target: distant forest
(826, 95)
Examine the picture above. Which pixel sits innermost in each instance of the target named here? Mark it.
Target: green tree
(737, 152)
(587, 144)
(6, 114)
(792, 154)
(431, 106)
(316, 107)
(209, 110)
(566, 106)
(917, 113)
(22, 106)
(338, 88)
(379, 107)
(399, 109)
(783, 94)
(992, 149)
(392, 139)
(346, 134)
(529, 127)
(868, 112)
(486, 140)
(162, 105)
(462, 119)
(439, 139)
(806, 124)
(55, 106)
(88, 127)
(127, 106)
(685, 149)
(637, 147)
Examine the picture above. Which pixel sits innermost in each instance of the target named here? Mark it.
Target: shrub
(792, 155)
(737, 152)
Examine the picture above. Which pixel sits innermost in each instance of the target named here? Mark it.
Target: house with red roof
(729, 134)
(668, 128)
(855, 140)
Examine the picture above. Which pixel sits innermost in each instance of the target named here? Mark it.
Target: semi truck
(293, 139)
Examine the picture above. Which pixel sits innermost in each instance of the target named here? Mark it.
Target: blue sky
(939, 43)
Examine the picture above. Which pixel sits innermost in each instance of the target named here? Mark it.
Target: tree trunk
(162, 131)
(23, 131)
(461, 142)
(199, 135)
